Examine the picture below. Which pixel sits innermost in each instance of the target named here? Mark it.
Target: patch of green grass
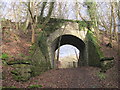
(9, 87)
(35, 86)
(36, 80)
(21, 55)
(4, 56)
(102, 76)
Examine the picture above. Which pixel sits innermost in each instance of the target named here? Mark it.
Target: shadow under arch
(71, 40)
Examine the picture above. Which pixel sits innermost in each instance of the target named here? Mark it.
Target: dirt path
(83, 77)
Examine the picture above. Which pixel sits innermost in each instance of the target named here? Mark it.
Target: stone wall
(94, 52)
(40, 58)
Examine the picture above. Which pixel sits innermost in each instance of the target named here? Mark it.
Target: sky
(67, 50)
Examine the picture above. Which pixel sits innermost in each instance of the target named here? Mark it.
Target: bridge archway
(71, 40)
(68, 56)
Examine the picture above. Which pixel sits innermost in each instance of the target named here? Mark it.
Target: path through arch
(71, 40)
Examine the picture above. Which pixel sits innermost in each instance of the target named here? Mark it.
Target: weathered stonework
(69, 32)
(69, 28)
(22, 69)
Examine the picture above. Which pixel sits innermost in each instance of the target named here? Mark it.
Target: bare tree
(92, 11)
(113, 24)
(42, 10)
(118, 9)
(48, 15)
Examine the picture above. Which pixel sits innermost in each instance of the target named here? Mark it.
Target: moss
(83, 24)
(19, 62)
(39, 68)
(14, 72)
(94, 40)
(20, 78)
(22, 72)
(4, 62)
(4, 56)
(102, 76)
(35, 86)
(93, 46)
(40, 62)
(11, 88)
(55, 23)
(42, 42)
(105, 65)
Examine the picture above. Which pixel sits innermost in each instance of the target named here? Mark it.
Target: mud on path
(80, 77)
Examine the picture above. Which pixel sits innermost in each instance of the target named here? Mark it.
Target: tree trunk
(92, 10)
(111, 23)
(114, 22)
(33, 33)
(76, 54)
(42, 10)
(31, 9)
(27, 22)
(49, 14)
(118, 28)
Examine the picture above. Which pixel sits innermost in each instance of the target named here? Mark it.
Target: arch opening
(68, 40)
(68, 56)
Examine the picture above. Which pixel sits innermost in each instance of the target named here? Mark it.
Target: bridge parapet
(69, 28)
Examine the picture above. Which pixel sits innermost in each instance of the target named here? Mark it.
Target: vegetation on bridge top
(56, 23)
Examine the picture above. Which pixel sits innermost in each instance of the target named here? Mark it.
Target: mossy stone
(94, 52)
(19, 62)
(22, 72)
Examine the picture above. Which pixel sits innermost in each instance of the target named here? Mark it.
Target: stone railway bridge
(72, 33)
(68, 34)
(57, 33)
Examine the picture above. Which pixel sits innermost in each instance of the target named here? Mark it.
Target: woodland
(21, 24)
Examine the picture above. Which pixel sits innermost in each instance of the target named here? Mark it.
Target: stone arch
(71, 40)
